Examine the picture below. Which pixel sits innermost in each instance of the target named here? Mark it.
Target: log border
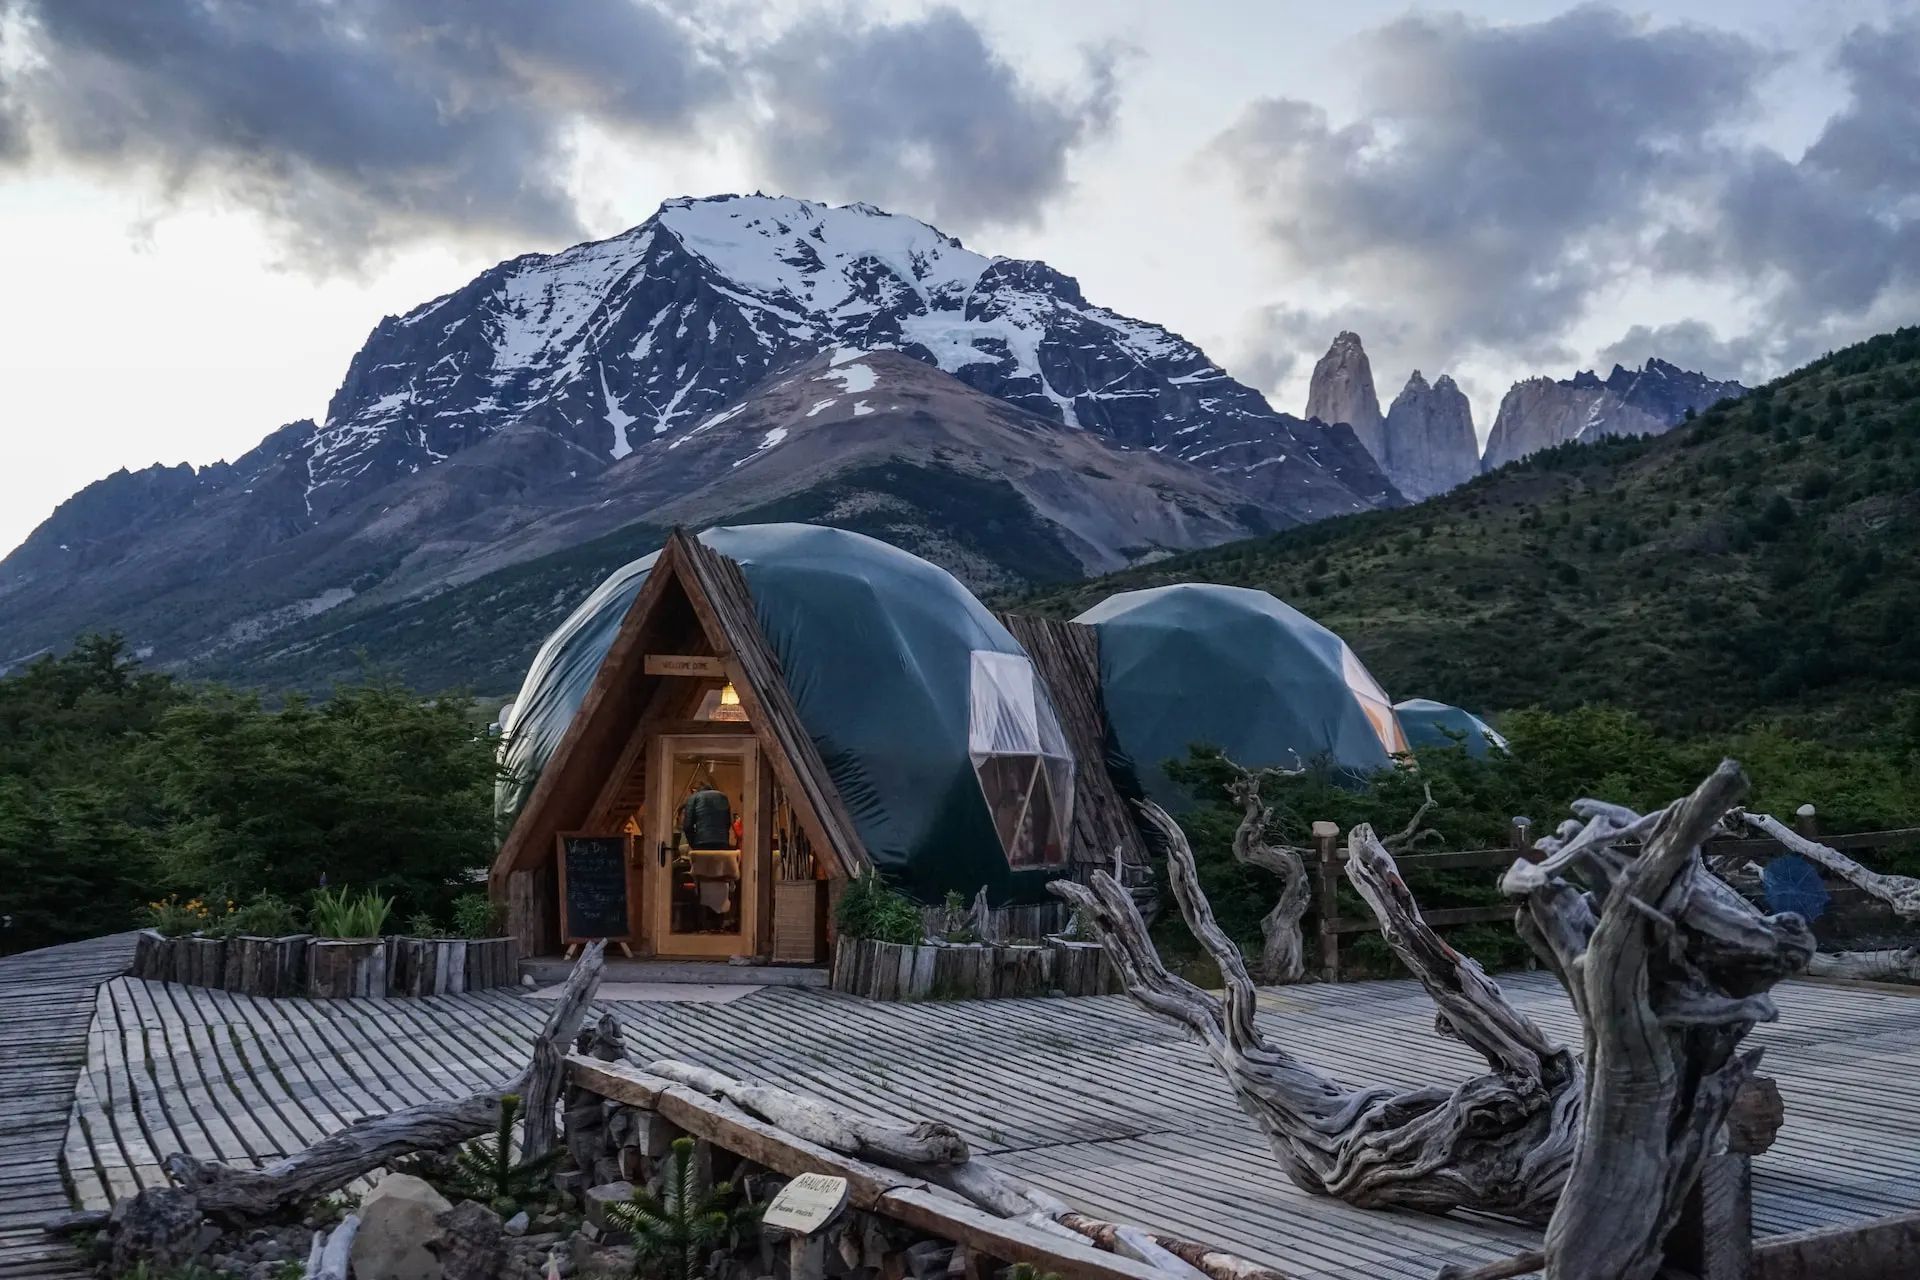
(892, 971)
(328, 968)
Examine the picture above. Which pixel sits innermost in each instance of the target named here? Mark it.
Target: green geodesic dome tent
(1238, 670)
(1436, 724)
(912, 691)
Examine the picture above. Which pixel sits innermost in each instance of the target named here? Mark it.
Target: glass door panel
(704, 875)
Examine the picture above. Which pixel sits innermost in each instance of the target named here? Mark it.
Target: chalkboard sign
(593, 887)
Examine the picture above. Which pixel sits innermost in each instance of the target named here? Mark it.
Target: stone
(68, 1224)
(398, 1224)
(928, 1259)
(607, 1193)
(470, 1243)
(159, 1226)
(1342, 391)
(517, 1224)
(1429, 441)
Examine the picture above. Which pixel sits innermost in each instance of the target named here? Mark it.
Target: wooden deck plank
(1093, 1098)
(47, 1001)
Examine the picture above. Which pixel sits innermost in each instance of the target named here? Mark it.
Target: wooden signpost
(593, 871)
(806, 1204)
(678, 664)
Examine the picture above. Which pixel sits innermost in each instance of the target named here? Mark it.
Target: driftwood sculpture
(1901, 894)
(1667, 966)
(1283, 955)
(1283, 949)
(1501, 1142)
(1669, 969)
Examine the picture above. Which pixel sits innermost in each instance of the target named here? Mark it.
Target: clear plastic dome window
(1374, 701)
(1022, 759)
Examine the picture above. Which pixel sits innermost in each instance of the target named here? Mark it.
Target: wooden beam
(529, 842)
(719, 593)
(1884, 1249)
(871, 1187)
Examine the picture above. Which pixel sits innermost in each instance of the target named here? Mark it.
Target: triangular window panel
(1021, 758)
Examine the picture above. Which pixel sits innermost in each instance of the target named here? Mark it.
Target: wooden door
(703, 883)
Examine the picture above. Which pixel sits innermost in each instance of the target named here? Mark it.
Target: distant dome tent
(1239, 670)
(1435, 724)
(891, 710)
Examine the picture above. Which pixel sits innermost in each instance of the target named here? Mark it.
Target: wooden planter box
(152, 957)
(492, 962)
(935, 971)
(347, 968)
(267, 966)
(328, 968)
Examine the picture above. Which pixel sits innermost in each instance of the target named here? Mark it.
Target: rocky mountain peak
(1539, 413)
(1342, 391)
(1429, 438)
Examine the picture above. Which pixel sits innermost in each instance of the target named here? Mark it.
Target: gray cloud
(924, 113)
(356, 123)
(1499, 180)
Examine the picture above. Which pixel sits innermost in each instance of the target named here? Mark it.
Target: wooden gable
(694, 602)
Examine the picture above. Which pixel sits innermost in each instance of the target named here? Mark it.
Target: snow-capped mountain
(647, 334)
(544, 404)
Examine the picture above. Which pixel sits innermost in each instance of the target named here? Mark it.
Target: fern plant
(485, 1170)
(674, 1234)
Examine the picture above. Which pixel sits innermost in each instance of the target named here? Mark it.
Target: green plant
(337, 914)
(485, 1170)
(267, 916)
(176, 919)
(674, 1234)
(475, 916)
(1027, 1271)
(422, 925)
(870, 909)
(290, 1269)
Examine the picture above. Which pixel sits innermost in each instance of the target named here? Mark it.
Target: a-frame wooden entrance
(607, 779)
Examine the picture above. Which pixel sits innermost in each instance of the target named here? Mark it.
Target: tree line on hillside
(1554, 758)
(121, 788)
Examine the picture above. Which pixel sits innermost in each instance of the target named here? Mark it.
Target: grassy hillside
(1762, 561)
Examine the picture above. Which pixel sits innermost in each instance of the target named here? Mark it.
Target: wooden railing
(1332, 854)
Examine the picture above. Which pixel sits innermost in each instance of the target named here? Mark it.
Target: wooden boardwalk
(46, 1005)
(1108, 1107)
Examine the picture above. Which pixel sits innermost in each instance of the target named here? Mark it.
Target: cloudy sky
(205, 205)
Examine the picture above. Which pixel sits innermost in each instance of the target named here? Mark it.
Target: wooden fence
(1331, 855)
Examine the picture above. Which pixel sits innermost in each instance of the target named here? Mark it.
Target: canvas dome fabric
(878, 648)
(1435, 724)
(1239, 670)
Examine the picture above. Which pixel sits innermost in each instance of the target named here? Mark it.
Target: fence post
(1520, 836)
(1326, 839)
(1807, 822)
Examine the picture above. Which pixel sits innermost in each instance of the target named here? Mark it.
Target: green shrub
(870, 909)
(476, 916)
(677, 1231)
(422, 925)
(337, 915)
(267, 916)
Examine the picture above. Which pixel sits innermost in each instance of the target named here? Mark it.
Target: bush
(336, 915)
(475, 916)
(869, 909)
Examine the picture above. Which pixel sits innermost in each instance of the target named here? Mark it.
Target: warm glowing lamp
(728, 698)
